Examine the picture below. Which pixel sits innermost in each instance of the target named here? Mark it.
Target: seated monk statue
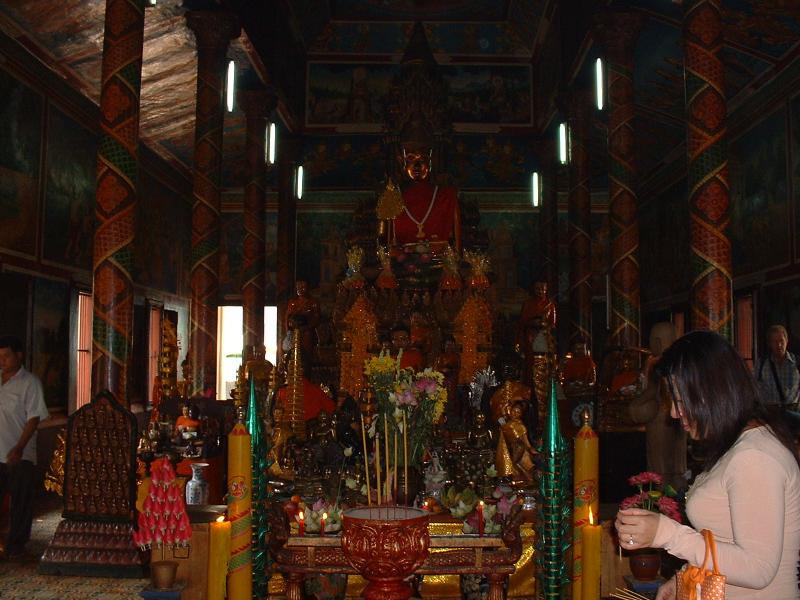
(626, 382)
(479, 436)
(429, 212)
(303, 312)
(410, 357)
(187, 421)
(579, 373)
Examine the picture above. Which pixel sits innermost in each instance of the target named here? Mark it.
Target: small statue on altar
(627, 381)
(256, 367)
(323, 441)
(420, 211)
(409, 356)
(479, 436)
(279, 441)
(184, 387)
(307, 308)
(514, 457)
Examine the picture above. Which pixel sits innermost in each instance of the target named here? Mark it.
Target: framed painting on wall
(20, 154)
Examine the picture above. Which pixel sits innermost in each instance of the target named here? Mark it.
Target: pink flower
(320, 505)
(504, 506)
(645, 478)
(669, 507)
(426, 385)
(635, 501)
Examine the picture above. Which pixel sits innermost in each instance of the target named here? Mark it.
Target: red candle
(301, 520)
(322, 523)
(480, 518)
(425, 506)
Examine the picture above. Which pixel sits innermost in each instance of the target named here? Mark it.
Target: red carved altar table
(493, 556)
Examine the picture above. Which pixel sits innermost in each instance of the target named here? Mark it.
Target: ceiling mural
(433, 10)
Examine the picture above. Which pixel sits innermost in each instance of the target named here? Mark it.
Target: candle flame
(480, 503)
(591, 516)
(220, 518)
(324, 515)
(301, 515)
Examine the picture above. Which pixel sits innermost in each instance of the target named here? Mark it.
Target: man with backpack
(777, 373)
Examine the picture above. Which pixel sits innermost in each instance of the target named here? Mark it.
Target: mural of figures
(70, 192)
(478, 161)
(349, 162)
(343, 93)
(513, 249)
(759, 196)
(50, 355)
(162, 245)
(489, 93)
(21, 132)
(318, 228)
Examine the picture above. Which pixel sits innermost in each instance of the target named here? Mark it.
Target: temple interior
(361, 255)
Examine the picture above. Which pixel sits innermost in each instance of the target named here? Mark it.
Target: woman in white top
(748, 494)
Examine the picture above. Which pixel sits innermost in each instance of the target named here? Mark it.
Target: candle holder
(386, 544)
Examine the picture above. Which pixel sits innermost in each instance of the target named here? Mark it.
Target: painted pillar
(709, 193)
(213, 30)
(580, 223)
(289, 156)
(257, 105)
(620, 31)
(548, 219)
(116, 196)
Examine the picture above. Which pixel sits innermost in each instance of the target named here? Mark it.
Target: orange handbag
(698, 583)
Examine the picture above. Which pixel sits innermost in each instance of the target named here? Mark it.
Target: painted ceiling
(477, 43)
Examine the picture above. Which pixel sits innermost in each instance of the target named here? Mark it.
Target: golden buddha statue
(535, 340)
(279, 438)
(514, 456)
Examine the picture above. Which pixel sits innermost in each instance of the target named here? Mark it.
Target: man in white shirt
(21, 408)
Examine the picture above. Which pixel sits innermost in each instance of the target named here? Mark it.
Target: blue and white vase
(197, 486)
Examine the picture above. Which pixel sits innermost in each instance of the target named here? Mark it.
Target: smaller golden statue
(355, 260)
(390, 202)
(480, 267)
(54, 479)
(515, 453)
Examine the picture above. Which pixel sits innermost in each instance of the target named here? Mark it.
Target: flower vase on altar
(197, 486)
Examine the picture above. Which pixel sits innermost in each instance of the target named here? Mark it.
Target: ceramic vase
(197, 486)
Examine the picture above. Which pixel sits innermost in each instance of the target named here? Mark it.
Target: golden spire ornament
(294, 393)
(390, 202)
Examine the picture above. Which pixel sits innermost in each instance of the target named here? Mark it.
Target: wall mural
(795, 122)
(352, 94)
(344, 162)
(664, 246)
(162, 244)
(759, 197)
(321, 235)
(478, 161)
(50, 356)
(513, 249)
(70, 192)
(21, 133)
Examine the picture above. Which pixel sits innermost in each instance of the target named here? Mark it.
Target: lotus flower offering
(163, 521)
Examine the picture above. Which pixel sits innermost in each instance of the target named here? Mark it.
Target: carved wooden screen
(100, 469)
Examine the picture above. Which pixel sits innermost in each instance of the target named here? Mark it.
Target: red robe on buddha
(314, 400)
(412, 358)
(440, 224)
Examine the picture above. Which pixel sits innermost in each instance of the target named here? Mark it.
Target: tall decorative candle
(590, 584)
(585, 494)
(240, 579)
(218, 555)
(322, 520)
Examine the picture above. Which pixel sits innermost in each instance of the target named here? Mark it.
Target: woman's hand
(669, 590)
(636, 528)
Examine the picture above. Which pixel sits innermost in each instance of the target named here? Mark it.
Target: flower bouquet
(653, 495)
(465, 505)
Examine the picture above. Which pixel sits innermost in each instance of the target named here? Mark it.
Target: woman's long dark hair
(717, 392)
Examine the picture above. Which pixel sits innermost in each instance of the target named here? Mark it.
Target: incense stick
(366, 460)
(627, 595)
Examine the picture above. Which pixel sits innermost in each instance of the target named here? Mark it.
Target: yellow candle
(585, 490)
(590, 586)
(218, 554)
(366, 460)
(240, 579)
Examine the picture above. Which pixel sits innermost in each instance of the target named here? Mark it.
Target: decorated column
(548, 223)
(213, 30)
(580, 222)
(257, 105)
(287, 222)
(709, 193)
(116, 196)
(619, 31)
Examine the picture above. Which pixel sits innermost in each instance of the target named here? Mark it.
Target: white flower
(348, 451)
(491, 471)
(350, 483)
(364, 489)
(372, 427)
